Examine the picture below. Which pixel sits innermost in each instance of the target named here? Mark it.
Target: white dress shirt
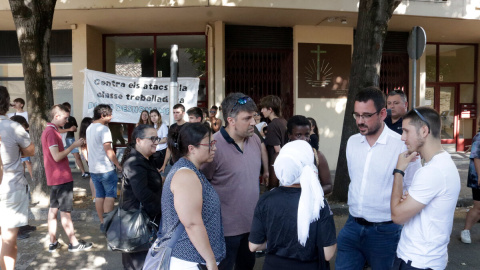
(370, 170)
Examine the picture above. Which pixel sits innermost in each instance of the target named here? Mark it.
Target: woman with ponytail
(294, 219)
(162, 132)
(190, 199)
(143, 183)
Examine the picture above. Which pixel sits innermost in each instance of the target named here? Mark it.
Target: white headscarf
(295, 165)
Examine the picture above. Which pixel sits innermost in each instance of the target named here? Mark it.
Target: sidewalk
(33, 254)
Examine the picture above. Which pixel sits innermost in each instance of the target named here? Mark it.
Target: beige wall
(219, 51)
(86, 53)
(328, 112)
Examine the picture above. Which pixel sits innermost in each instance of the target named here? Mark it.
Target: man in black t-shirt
(70, 128)
(178, 114)
(397, 103)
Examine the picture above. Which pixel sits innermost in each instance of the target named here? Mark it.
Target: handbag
(129, 231)
(160, 253)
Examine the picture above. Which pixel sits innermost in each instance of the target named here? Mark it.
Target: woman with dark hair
(298, 128)
(189, 198)
(162, 132)
(314, 137)
(86, 122)
(214, 121)
(142, 183)
(144, 119)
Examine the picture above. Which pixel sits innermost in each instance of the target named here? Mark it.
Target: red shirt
(57, 172)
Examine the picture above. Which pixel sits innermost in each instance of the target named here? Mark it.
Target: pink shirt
(57, 172)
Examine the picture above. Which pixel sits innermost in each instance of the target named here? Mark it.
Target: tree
(33, 22)
(372, 25)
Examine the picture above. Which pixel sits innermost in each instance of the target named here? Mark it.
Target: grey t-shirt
(14, 137)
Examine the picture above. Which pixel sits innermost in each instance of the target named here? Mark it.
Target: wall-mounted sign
(323, 70)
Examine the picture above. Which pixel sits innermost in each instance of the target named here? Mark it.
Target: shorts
(476, 194)
(61, 197)
(14, 209)
(105, 184)
(70, 141)
(25, 159)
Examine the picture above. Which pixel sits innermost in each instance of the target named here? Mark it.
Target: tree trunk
(373, 17)
(33, 22)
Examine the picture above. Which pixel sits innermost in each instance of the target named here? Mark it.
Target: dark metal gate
(259, 62)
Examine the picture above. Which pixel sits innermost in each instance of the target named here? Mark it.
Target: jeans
(105, 184)
(376, 244)
(238, 253)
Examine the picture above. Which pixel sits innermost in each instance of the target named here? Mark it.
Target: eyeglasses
(241, 101)
(154, 139)
(210, 145)
(422, 118)
(364, 116)
(256, 114)
(213, 111)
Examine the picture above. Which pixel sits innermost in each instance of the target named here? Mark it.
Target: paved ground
(33, 252)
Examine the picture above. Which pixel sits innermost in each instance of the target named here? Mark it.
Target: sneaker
(54, 247)
(82, 245)
(465, 237)
(86, 174)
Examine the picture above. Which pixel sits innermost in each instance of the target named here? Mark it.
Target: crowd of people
(400, 213)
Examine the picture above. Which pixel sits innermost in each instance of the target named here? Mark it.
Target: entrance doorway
(455, 104)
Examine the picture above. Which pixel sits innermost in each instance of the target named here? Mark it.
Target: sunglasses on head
(422, 118)
(241, 101)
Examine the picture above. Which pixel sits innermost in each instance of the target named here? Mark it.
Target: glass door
(447, 113)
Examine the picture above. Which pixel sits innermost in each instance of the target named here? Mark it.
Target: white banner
(129, 96)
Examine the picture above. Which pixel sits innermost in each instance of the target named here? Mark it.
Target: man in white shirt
(101, 160)
(428, 208)
(369, 234)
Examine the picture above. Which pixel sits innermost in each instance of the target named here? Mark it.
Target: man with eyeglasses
(398, 105)
(369, 234)
(234, 175)
(427, 211)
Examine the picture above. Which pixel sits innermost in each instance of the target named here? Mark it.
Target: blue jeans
(105, 184)
(358, 243)
(68, 142)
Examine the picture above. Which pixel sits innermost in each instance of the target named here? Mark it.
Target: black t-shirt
(397, 127)
(71, 122)
(276, 133)
(275, 221)
(314, 141)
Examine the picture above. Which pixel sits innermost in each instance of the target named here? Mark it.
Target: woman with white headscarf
(293, 222)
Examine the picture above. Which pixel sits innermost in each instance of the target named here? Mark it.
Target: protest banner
(129, 96)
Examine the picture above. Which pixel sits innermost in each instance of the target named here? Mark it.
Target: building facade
(298, 50)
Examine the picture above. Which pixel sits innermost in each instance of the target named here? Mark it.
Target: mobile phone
(202, 266)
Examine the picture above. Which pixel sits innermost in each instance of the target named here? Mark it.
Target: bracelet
(398, 171)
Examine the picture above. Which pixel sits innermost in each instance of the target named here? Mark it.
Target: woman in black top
(143, 183)
(293, 222)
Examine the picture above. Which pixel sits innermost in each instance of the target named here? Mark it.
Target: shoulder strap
(179, 229)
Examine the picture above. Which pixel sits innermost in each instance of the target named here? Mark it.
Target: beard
(419, 143)
(370, 130)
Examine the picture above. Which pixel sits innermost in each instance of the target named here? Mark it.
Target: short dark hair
(179, 106)
(273, 102)
(231, 107)
(101, 110)
(4, 100)
(20, 100)
(187, 134)
(21, 120)
(195, 111)
(374, 94)
(297, 121)
(66, 104)
(398, 93)
(56, 109)
(214, 107)
(430, 115)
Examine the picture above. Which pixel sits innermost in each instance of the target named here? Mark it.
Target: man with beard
(427, 211)
(369, 233)
(234, 175)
